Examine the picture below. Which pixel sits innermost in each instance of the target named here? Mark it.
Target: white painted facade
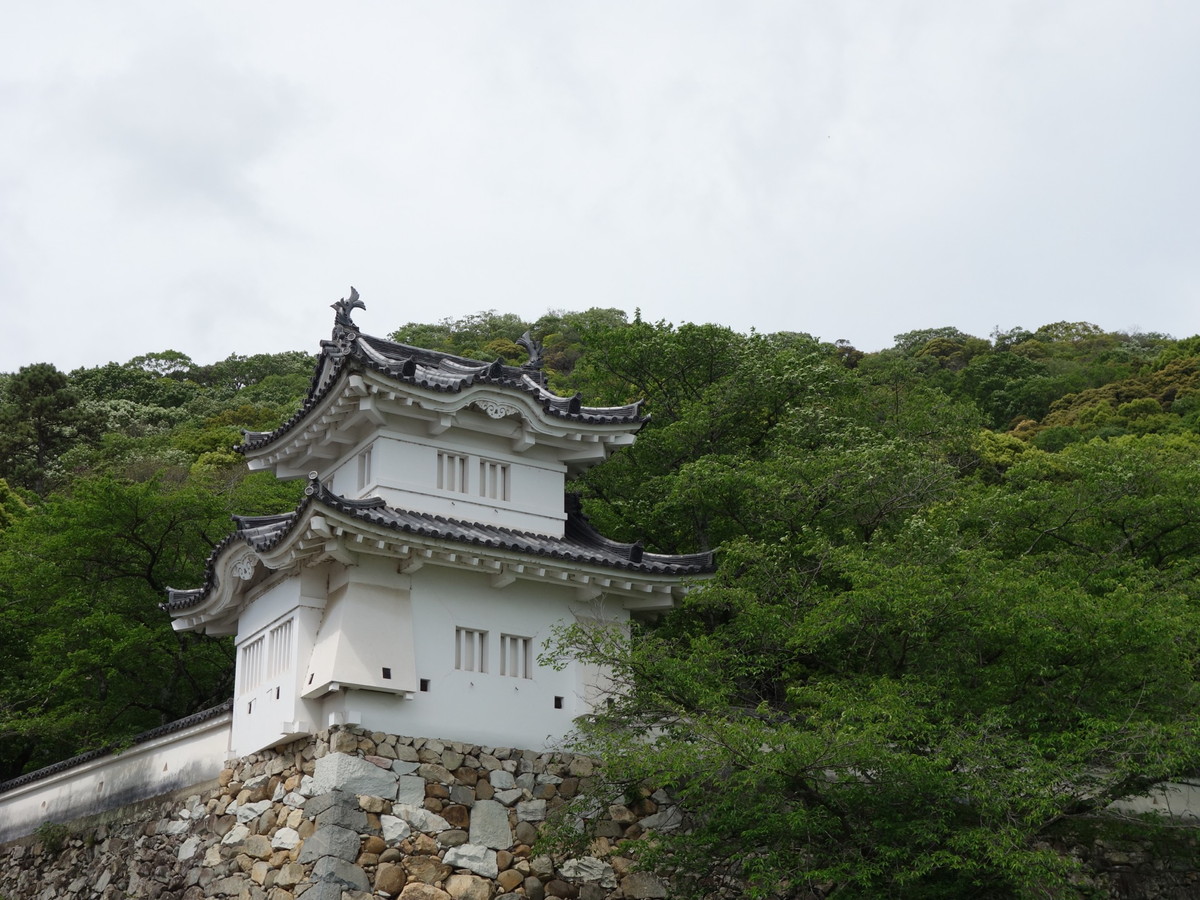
(479, 480)
(440, 653)
(345, 618)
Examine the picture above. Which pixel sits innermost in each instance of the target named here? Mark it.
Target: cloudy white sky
(209, 176)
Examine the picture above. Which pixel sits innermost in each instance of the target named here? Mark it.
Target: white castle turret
(413, 588)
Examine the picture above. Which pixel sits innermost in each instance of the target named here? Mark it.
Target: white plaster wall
(273, 711)
(479, 707)
(274, 602)
(367, 629)
(189, 757)
(404, 473)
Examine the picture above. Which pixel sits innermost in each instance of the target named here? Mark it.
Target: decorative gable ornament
(432, 555)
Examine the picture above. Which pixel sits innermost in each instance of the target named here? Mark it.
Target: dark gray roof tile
(580, 544)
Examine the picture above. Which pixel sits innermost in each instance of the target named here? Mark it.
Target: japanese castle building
(434, 551)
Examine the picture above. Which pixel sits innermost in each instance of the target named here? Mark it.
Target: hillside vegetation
(956, 606)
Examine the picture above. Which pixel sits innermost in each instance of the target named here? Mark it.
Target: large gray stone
(332, 840)
(236, 835)
(489, 825)
(410, 790)
(353, 775)
(285, 839)
(587, 868)
(338, 871)
(643, 886)
(474, 858)
(314, 806)
(345, 815)
(394, 829)
(501, 780)
(188, 848)
(250, 811)
(667, 819)
(420, 818)
(531, 810)
(231, 886)
(508, 798)
(324, 890)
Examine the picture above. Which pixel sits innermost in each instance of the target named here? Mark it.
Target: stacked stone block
(348, 815)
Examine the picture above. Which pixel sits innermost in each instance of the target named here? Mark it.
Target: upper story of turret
(439, 434)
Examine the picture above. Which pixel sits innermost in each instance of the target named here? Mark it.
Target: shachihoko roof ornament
(344, 307)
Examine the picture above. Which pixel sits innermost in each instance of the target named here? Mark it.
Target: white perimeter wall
(184, 758)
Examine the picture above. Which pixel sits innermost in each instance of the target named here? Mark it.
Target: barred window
(470, 650)
(364, 468)
(493, 480)
(279, 649)
(451, 472)
(516, 657)
(251, 675)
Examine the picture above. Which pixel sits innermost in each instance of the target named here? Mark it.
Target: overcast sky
(209, 176)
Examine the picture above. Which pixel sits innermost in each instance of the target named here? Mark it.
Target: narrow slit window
(516, 656)
(364, 469)
(493, 480)
(279, 649)
(252, 665)
(470, 650)
(451, 472)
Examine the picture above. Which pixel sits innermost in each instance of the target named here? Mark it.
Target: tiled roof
(581, 544)
(434, 371)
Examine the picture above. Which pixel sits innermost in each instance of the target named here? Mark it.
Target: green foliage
(53, 837)
(91, 657)
(902, 679)
(12, 507)
(40, 417)
(472, 336)
(916, 341)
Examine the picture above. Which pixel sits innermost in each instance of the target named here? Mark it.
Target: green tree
(12, 507)
(40, 417)
(909, 717)
(91, 658)
(903, 682)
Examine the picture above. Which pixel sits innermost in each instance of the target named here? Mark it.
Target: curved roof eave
(278, 541)
(431, 373)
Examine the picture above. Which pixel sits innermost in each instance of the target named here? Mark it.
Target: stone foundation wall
(348, 815)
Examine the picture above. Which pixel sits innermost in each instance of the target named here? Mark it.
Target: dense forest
(956, 608)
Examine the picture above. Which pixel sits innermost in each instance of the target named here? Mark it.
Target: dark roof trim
(581, 543)
(435, 371)
(144, 737)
